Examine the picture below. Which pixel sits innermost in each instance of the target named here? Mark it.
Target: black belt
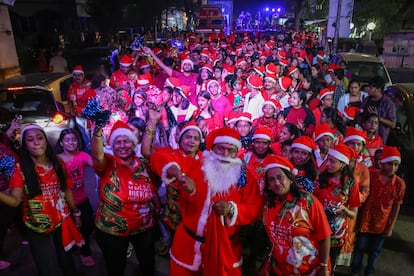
(193, 235)
(202, 239)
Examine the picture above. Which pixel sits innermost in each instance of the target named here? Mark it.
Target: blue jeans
(370, 244)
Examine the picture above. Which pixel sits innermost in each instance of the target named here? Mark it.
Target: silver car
(39, 98)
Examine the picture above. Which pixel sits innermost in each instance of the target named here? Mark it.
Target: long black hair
(325, 175)
(32, 181)
(271, 196)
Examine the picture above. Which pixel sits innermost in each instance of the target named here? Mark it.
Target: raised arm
(97, 149)
(154, 114)
(161, 64)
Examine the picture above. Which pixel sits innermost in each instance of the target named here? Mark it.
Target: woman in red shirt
(339, 195)
(41, 181)
(295, 223)
(128, 201)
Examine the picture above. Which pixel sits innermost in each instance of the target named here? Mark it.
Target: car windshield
(27, 103)
(364, 71)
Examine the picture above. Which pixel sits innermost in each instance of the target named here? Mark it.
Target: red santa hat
(271, 69)
(28, 127)
(262, 55)
(323, 130)
(205, 52)
(324, 92)
(283, 62)
(281, 54)
(332, 67)
(260, 70)
(353, 133)
(143, 64)
(285, 83)
(262, 133)
(187, 60)
(305, 143)
(125, 61)
(351, 112)
(223, 135)
(390, 154)
(228, 68)
(144, 79)
(121, 128)
(190, 125)
(231, 117)
(172, 82)
(207, 67)
(275, 161)
(274, 103)
(271, 77)
(184, 90)
(321, 55)
(78, 69)
(292, 70)
(210, 82)
(241, 61)
(157, 51)
(244, 116)
(255, 81)
(341, 152)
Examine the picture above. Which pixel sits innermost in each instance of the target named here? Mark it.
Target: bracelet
(323, 264)
(149, 132)
(77, 214)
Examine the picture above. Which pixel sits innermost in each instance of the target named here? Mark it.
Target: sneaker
(4, 264)
(87, 261)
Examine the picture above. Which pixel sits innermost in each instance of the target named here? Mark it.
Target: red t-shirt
(295, 228)
(45, 212)
(333, 195)
(126, 195)
(376, 213)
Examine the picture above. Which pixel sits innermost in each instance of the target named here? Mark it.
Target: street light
(371, 26)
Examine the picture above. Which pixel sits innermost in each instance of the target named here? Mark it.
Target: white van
(363, 67)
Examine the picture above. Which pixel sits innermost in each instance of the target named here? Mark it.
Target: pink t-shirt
(76, 168)
(189, 81)
(222, 106)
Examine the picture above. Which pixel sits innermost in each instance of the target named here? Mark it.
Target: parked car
(403, 135)
(95, 60)
(363, 67)
(39, 98)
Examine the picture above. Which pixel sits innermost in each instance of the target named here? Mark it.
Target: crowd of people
(227, 152)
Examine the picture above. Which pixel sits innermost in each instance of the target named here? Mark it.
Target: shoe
(87, 261)
(163, 248)
(24, 242)
(130, 251)
(4, 264)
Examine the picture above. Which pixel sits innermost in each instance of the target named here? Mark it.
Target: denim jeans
(370, 244)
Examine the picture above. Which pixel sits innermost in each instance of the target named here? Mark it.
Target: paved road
(396, 258)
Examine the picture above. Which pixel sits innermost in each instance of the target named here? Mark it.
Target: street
(396, 258)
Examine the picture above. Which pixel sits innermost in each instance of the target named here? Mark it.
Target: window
(400, 47)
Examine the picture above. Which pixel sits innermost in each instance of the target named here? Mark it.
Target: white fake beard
(220, 176)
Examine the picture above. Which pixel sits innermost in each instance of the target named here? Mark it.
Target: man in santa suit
(217, 196)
